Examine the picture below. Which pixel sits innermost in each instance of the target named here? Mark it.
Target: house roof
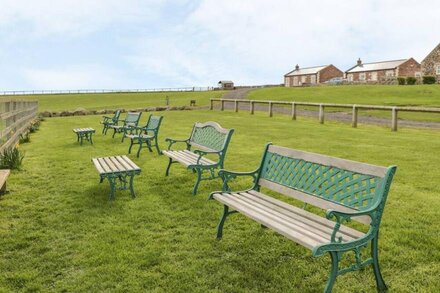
(432, 52)
(225, 81)
(383, 65)
(307, 70)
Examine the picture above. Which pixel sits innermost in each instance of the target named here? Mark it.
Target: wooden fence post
(270, 109)
(212, 105)
(293, 111)
(321, 114)
(252, 107)
(235, 105)
(354, 118)
(394, 119)
(222, 108)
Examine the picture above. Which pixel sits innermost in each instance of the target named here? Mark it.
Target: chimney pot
(359, 62)
(296, 67)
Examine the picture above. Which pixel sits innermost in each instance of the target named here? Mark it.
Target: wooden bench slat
(287, 232)
(276, 216)
(311, 199)
(119, 166)
(130, 162)
(301, 215)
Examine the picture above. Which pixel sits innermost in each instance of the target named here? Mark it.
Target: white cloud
(257, 41)
(84, 76)
(72, 17)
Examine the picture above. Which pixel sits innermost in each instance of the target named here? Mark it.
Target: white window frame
(362, 76)
(312, 79)
(438, 69)
(303, 79)
(389, 73)
(350, 77)
(373, 76)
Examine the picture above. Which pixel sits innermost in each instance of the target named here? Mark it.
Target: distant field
(118, 100)
(417, 95)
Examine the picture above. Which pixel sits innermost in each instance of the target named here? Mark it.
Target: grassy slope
(417, 95)
(58, 232)
(118, 100)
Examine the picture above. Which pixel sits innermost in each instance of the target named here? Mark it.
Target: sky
(133, 44)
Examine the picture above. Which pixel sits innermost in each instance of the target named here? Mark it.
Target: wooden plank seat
(4, 174)
(347, 190)
(206, 139)
(84, 134)
(108, 121)
(117, 168)
(146, 135)
(129, 124)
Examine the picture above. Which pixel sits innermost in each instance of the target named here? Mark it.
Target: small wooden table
(117, 167)
(84, 133)
(4, 174)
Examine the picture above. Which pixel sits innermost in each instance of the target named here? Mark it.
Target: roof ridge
(386, 61)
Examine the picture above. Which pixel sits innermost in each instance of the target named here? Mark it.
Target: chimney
(359, 62)
(297, 67)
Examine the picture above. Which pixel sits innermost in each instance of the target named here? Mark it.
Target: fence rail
(97, 91)
(15, 119)
(321, 106)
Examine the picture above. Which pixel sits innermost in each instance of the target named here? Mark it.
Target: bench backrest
(132, 118)
(210, 136)
(116, 116)
(154, 122)
(323, 181)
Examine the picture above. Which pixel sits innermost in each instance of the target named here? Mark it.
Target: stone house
(379, 71)
(431, 63)
(226, 85)
(311, 75)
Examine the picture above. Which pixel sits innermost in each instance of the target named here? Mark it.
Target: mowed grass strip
(62, 102)
(59, 232)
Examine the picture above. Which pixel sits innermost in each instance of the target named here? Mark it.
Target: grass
(119, 100)
(416, 95)
(59, 233)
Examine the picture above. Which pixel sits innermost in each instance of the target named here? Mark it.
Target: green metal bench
(146, 134)
(206, 139)
(108, 121)
(347, 190)
(129, 124)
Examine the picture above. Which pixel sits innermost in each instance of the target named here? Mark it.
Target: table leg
(133, 195)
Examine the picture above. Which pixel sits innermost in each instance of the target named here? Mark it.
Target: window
(313, 79)
(418, 74)
(389, 73)
(350, 77)
(438, 69)
(362, 76)
(303, 79)
(373, 76)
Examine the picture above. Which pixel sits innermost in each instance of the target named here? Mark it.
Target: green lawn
(119, 100)
(417, 95)
(59, 233)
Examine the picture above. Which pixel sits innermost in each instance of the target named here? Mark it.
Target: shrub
(428, 79)
(25, 138)
(11, 158)
(411, 80)
(35, 125)
(401, 80)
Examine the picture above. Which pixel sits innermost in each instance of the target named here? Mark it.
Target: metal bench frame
(206, 139)
(130, 122)
(108, 121)
(146, 134)
(347, 190)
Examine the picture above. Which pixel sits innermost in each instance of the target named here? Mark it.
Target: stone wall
(430, 63)
(409, 68)
(328, 73)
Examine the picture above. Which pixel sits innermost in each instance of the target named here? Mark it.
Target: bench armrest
(204, 153)
(228, 176)
(172, 141)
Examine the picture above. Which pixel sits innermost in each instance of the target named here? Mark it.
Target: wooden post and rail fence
(15, 119)
(321, 107)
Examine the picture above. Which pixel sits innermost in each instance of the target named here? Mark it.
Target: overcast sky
(85, 44)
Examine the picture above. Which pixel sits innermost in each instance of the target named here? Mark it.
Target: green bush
(11, 158)
(411, 80)
(25, 138)
(401, 80)
(34, 126)
(429, 79)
